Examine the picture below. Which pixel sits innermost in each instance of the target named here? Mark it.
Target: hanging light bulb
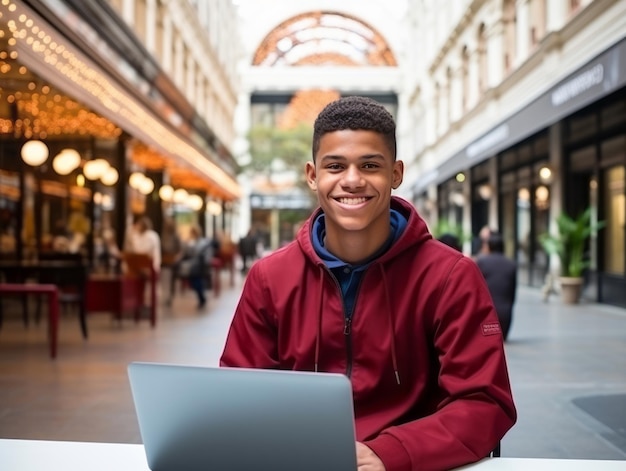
(166, 192)
(110, 177)
(180, 196)
(135, 180)
(195, 202)
(147, 185)
(66, 161)
(94, 169)
(34, 153)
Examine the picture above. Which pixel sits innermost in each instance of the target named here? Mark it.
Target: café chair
(13, 278)
(71, 279)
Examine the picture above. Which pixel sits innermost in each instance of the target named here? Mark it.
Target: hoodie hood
(415, 233)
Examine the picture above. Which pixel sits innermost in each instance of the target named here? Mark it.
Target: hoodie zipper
(347, 322)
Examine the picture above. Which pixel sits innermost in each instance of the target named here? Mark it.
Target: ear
(398, 174)
(311, 176)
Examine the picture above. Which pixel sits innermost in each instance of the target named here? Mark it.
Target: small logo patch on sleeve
(491, 328)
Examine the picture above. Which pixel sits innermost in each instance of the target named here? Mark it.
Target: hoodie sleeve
(476, 407)
(251, 339)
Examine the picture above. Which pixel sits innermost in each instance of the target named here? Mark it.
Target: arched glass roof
(324, 38)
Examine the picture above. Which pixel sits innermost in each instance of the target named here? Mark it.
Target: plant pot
(571, 288)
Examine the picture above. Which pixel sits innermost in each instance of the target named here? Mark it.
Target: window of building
(324, 37)
(465, 78)
(509, 19)
(483, 71)
(537, 22)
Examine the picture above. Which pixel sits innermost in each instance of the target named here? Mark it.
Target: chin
(350, 224)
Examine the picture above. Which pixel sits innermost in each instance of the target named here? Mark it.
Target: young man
(366, 291)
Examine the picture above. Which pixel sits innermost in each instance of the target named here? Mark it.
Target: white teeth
(352, 200)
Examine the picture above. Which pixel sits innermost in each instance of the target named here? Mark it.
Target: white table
(35, 455)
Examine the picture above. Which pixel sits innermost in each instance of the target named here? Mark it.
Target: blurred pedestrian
(479, 243)
(144, 240)
(195, 264)
(171, 254)
(248, 249)
(500, 274)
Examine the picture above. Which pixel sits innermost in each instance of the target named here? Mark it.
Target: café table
(34, 455)
(34, 278)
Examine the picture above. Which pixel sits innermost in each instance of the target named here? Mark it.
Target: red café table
(44, 277)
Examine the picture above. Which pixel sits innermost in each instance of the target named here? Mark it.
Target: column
(128, 11)
(168, 43)
(121, 191)
(242, 124)
(556, 159)
(151, 22)
(522, 31)
(556, 11)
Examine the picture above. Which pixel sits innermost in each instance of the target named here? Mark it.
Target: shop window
(612, 151)
(525, 153)
(9, 198)
(612, 115)
(581, 127)
(583, 159)
(508, 160)
(615, 217)
(541, 145)
(481, 171)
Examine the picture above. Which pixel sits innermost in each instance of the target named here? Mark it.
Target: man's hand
(367, 460)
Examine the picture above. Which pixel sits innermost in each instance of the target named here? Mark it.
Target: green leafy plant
(292, 146)
(569, 242)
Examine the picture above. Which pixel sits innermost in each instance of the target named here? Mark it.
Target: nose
(352, 177)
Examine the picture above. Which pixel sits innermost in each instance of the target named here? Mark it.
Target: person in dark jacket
(366, 291)
(195, 263)
(500, 274)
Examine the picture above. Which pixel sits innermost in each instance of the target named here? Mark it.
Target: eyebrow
(333, 157)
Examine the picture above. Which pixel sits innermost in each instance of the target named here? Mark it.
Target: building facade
(520, 109)
(147, 88)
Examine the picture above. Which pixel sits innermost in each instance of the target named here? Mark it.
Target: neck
(354, 247)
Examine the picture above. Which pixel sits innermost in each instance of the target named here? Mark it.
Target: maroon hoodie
(424, 354)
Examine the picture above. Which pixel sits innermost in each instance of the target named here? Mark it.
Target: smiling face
(353, 175)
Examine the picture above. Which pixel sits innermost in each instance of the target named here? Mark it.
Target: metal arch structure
(324, 38)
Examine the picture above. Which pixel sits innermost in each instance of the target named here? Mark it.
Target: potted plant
(569, 244)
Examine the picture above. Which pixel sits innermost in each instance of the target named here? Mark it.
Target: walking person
(247, 250)
(195, 264)
(500, 274)
(365, 291)
(171, 253)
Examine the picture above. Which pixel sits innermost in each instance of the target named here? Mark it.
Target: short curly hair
(355, 113)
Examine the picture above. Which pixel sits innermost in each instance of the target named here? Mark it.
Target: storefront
(565, 151)
(83, 88)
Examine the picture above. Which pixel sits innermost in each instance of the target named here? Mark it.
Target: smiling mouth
(352, 201)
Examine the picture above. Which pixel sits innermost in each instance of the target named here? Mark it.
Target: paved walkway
(567, 366)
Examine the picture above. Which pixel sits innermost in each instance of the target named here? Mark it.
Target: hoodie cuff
(391, 452)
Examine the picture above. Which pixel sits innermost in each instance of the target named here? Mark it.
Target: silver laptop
(221, 419)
